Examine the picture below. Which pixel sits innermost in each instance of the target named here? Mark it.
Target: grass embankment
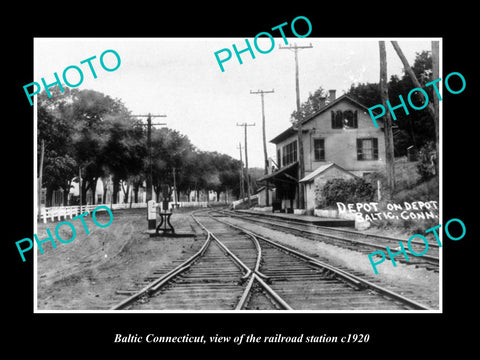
(409, 188)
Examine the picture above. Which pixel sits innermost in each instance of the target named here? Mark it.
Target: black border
(400, 333)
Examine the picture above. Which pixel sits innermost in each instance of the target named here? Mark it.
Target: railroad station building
(339, 141)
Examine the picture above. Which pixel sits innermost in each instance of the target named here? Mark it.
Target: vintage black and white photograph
(265, 174)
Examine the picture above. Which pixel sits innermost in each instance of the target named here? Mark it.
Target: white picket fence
(189, 204)
(64, 212)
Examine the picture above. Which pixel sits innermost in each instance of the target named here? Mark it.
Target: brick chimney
(331, 95)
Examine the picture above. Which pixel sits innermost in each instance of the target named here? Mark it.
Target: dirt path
(86, 273)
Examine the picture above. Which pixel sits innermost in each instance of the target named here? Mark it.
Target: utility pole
(175, 186)
(151, 216)
(389, 156)
(149, 146)
(436, 108)
(301, 163)
(411, 74)
(242, 186)
(40, 179)
(432, 109)
(80, 187)
(246, 159)
(261, 92)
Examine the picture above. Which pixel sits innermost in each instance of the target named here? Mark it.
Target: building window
(344, 119)
(289, 153)
(367, 149)
(279, 159)
(350, 119)
(318, 149)
(337, 120)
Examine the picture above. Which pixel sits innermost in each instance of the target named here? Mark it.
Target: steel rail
(350, 277)
(428, 258)
(259, 256)
(288, 250)
(321, 227)
(353, 279)
(227, 251)
(244, 298)
(273, 293)
(257, 246)
(253, 275)
(161, 281)
(198, 222)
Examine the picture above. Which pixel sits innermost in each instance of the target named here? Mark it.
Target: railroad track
(238, 270)
(213, 278)
(351, 239)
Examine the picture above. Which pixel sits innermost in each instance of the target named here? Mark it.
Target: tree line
(89, 134)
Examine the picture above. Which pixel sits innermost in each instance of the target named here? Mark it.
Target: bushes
(426, 161)
(346, 191)
(424, 191)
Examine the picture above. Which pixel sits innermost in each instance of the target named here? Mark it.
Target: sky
(180, 78)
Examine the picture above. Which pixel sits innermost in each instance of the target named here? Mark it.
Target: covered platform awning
(287, 174)
(284, 180)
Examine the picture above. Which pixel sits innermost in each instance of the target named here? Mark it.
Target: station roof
(321, 169)
(291, 131)
(281, 174)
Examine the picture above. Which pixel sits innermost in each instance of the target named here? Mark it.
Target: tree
(417, 128)
(311, 106)
(59, 172)
(123, 152)
(170, 150)
(230, 181)
(226, 177)
(87, 115)
(186, 175)
(206, 175)
(367, 94)
(53, 130)
(75, 127)
(89, 131)
(208, 170)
